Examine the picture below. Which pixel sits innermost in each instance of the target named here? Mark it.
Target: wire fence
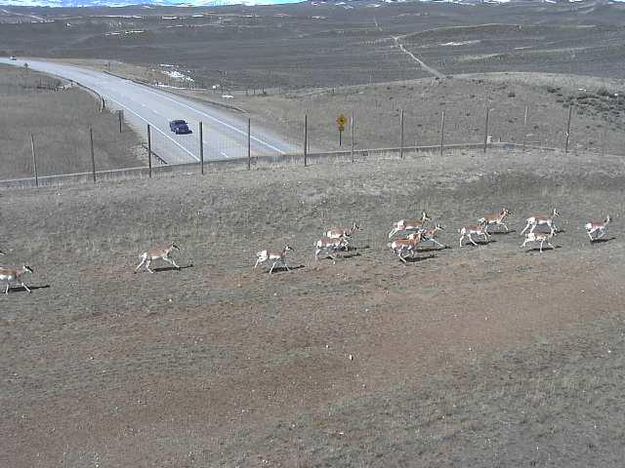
(351, 136)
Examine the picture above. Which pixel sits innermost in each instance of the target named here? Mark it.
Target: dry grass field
(59, 119)
(330, 45)
(598, 122)
(474, 356)
(492, 355)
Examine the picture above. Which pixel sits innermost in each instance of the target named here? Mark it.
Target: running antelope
(342, 233)
(408, 245)
(14, 274)
(469, 231)
(497, 219)
(430, 235)
(597, 228)
(409, 224)
(155, 253)
(276, 257)
(330, 247)
(541, 237)
(537, 220)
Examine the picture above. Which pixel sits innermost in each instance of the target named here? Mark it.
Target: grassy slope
(213, 364)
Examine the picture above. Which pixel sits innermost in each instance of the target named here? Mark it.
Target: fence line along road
(224, 132)
(243, 163)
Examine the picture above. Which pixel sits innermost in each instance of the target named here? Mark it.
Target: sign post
(341, 122)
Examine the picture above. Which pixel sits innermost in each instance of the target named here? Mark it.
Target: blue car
(179, 127)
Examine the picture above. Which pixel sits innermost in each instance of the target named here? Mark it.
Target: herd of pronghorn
(416, 233)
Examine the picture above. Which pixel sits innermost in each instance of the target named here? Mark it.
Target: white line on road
(154, 127)
(262, 142)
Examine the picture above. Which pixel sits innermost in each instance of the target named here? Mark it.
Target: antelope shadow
(546, 248)
(479, 242)
(23, 289)
(602, 240)
(419, 259)
(500, 232)
(282, 268)
(172, 268)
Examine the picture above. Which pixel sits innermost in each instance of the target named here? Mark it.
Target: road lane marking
(155, 128)
(227, 125)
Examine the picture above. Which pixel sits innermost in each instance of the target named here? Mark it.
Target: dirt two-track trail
(219, 364)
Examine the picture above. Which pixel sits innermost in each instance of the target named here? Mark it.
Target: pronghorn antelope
(469, 231)
(430, 235)
(409, 224)
(342, 233)
(541, 237)
(537, 220)
(155, 253)
(329, 246)
(277, 257)
(597, 228)
(497, 219)
(14, 274)
(408, 245)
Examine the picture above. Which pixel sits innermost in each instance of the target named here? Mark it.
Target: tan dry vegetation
(221, 365)
(377, 110)
(59, 119)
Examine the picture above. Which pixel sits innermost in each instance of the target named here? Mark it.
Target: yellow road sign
(341, 121)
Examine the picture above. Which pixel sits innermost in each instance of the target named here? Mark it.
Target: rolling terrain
(474, 355)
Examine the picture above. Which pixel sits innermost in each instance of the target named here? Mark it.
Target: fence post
(119, 117)
(201, 148)
(401, 134)
(525, 126)
(568, 130)
(249, 143)
(305, 139)
(32, 147)
(352, 134)
(486, 128)
(149, 151)
(442, 130)
(92, 153)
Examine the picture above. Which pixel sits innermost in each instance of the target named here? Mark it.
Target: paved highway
(224, 132)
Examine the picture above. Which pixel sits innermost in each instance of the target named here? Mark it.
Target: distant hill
(117, 3)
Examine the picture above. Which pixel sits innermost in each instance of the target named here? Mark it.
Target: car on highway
(179, 127)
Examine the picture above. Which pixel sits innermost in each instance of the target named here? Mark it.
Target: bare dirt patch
(218, 364)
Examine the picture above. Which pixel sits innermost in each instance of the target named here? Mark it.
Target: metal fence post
(352, 134)
(119, 117)
(149, 151)
(32, 147)
(442, 131)
(92, 153)
(249, 144)
(401, 134)
(486, 128)
(568, 130)
(525, 126)
(305, 139)
(201, 148)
